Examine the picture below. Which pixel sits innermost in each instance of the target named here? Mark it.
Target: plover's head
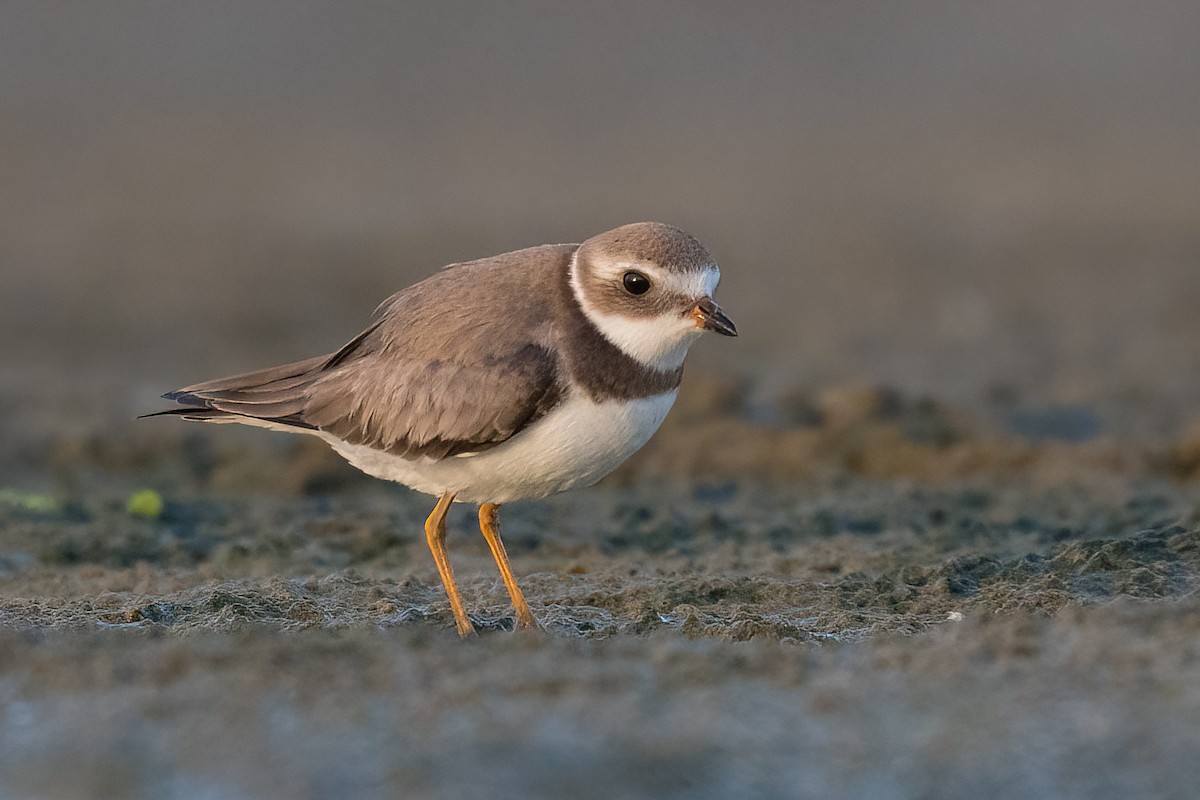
(648, 288)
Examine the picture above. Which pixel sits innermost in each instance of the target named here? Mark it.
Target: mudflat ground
(929, 528)
(854, 622)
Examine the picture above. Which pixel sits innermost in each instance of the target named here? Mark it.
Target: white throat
(657, 342)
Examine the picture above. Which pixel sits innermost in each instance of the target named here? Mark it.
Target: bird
(505, 378)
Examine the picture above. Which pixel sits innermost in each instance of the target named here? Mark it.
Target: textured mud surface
(733, 629)
(1098, 703)
(810, 562)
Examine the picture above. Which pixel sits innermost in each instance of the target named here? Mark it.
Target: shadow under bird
(511, 377)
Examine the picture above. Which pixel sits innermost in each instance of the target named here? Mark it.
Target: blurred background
(965, 201)
(961, 242)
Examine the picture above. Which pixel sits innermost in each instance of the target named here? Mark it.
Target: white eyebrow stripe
(695, 283)
(711, 276)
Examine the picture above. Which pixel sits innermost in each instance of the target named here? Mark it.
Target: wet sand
(1025, 626)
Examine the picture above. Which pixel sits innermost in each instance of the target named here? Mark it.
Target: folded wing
(431, 377)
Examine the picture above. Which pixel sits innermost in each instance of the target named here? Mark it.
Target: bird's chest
(576, 444)
(583, 440)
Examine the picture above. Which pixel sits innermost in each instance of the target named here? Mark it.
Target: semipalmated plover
(510, 377)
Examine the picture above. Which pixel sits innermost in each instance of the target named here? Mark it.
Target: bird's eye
(636, 283)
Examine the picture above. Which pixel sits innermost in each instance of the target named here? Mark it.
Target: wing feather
(438, 373)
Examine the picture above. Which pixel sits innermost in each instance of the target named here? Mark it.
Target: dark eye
(636, 283)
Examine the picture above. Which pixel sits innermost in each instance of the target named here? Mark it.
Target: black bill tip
(710, 317)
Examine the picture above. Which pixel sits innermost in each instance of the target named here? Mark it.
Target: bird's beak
(710, 317)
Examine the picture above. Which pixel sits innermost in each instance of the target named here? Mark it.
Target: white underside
(576, 444)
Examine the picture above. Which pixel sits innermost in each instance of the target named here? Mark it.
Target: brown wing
(445, 369)
(435, 408)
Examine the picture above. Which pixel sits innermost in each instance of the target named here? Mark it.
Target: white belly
(576, 444)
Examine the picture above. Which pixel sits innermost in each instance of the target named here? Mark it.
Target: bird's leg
(489, 524)
(435, 534)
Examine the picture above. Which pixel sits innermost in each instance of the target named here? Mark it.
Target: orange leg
(489, 524)
(435, 534)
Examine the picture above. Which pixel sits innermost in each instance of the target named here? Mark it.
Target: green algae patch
(147, 504)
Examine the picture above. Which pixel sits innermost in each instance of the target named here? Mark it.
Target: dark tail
(277, 394)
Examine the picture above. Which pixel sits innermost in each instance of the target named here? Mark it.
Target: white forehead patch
(658, 342)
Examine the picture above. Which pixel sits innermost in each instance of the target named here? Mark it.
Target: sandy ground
(1089, 703)
(860, 626)
(930, 527)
